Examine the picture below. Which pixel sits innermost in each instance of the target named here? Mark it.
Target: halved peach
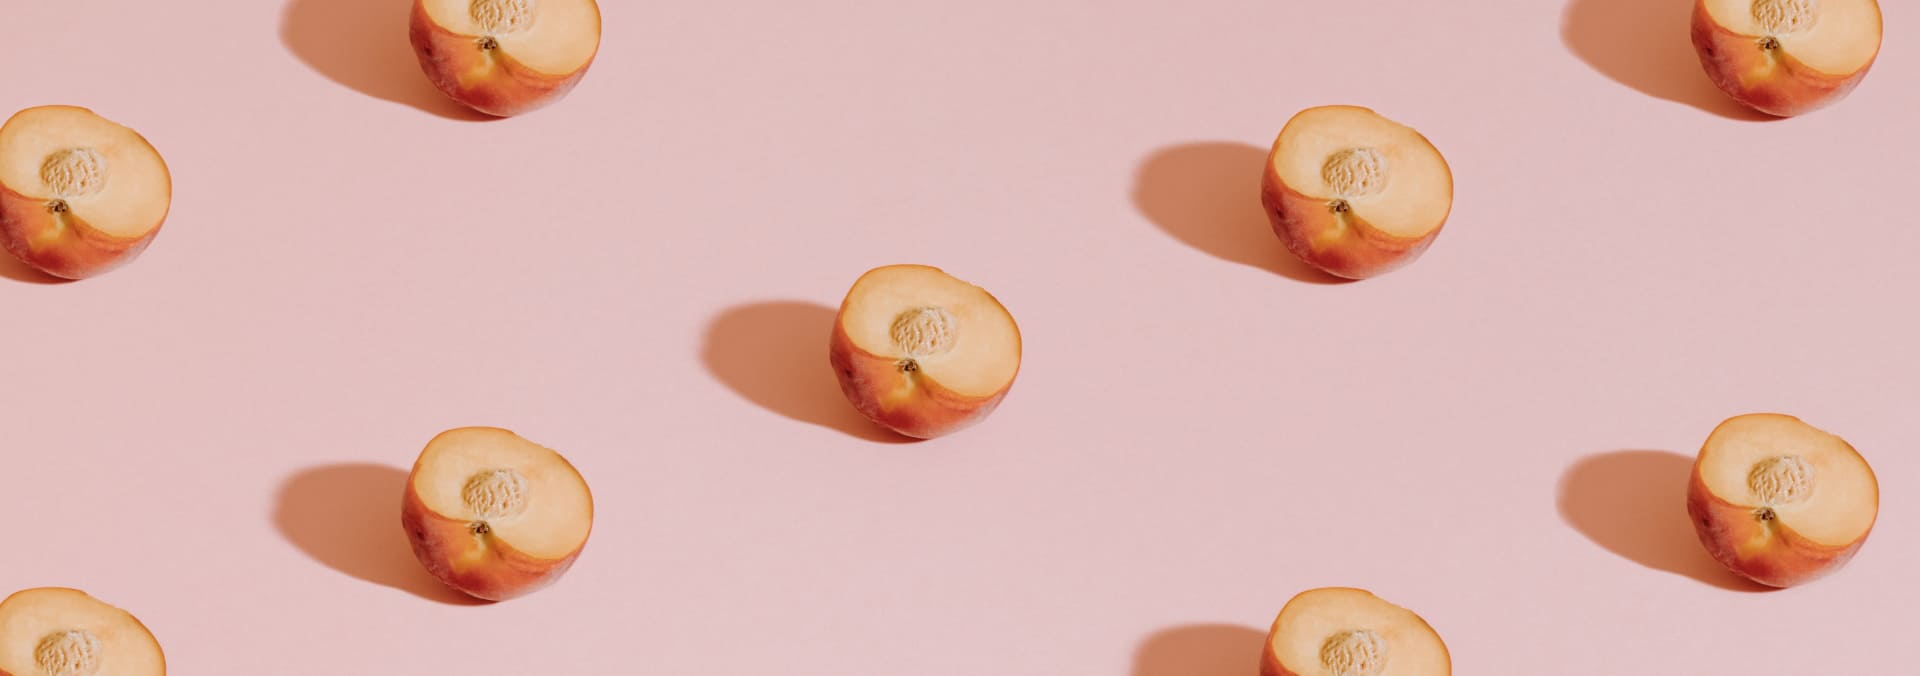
(1779, 501)
(505, 57)
(53, 631)
(79, 194)
(1786, 57)
(494, 515)
(921, 352)
(1353, 193)
(1341, 631)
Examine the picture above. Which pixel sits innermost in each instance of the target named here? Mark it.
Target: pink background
(643, 278)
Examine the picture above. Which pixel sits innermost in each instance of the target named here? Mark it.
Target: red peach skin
(1342, 245)
(60, 244)
(1270, 665)
(1784, 560)
(927, 410)
(1772, 82)
(495, 572)
(487, 80)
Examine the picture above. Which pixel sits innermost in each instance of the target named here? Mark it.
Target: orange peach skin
(482, 566)
(486, 80)
(1784, 558)
(1777, 84)
(927, 412)
(1339, 244)
(58, 243)
(1270, 663)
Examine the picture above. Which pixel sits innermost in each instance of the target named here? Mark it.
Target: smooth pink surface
(643, 277)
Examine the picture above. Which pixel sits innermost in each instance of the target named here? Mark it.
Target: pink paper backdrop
(643, 278)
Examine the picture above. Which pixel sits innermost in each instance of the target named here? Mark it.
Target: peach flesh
(1353, 193)
(922, 353)
(54, 631)
(493, 515)
(1780, 502)
(1339, 631)
(80, 195)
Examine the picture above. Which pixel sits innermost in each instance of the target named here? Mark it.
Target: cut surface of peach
(1837, 37)
(80, 163)
(79, 194)
(933, 324)
(1792, 475)
(65, 632)
(1359, 162)
(921, 352)
(556, 37)
(505, 488)
(1353, 193)
(1338, 631)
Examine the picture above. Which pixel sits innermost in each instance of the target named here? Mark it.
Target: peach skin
(505, 57)
(1786, 57)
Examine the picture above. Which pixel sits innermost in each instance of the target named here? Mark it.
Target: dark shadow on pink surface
(774, 354)
(1200, 650)
(347, 517)
(1634, 504)
(1207, 195)
(363, 45)
(12, 268)
(1646, 45)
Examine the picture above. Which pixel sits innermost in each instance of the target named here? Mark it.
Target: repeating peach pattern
(922, 353)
